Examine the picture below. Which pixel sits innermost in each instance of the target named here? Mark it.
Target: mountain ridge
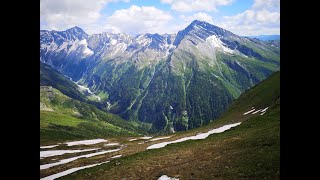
(266, 37)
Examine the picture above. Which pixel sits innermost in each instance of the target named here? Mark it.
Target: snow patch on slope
(118, 49)
(86, 142)
(249, 112)
(142, 40)
(256, 111)
(112, 144)
(44, 154)
(69, 171)
(165, 177)
(64, 161)
(198, 136)
(217, 43)
(86, 89)
(116, 156)
(48, 147)
(49, 47)
(113, 41)
(63, 46)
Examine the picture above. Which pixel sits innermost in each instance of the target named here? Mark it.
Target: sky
(242, 17)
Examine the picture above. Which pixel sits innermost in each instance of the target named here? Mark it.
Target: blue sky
(242, 17)
(237, 6)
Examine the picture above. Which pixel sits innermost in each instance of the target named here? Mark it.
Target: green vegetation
(240, 73)
(184, 92)
(248, 151)
(51, 77)
(259, 96)
(63, 118)
(48, 118)
(266, 51)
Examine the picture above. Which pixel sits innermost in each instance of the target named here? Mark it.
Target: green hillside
(248, 151)
(63, 118)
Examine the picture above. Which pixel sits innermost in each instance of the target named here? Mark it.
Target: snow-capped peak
(143, 40)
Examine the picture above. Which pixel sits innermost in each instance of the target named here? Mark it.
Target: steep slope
(65, 50)
(248, 151)
(275, 43)
(175, 82)
(51, 77)
(209, 67)
(63, 118)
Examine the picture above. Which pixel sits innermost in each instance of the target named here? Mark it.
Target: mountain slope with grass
(248, 151)
(63, 118)
(52, 77)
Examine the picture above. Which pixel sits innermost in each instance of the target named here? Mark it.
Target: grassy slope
(249, 151)
(72, 119)
(257, 69)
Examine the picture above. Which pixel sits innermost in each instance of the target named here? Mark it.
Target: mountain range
(171, 82)
(267, 37)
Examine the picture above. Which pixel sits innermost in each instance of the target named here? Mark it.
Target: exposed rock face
(43, 107)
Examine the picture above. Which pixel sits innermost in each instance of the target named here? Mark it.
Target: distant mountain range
(266, 37)
(172, 82)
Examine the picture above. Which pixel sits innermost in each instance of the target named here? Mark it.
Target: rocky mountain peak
(199, 31)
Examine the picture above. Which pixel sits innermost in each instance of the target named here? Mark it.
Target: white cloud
(140, 20)
(63, 14)
(198, 16)
(273, 5)
(136, 20)
(196, 5)
(186, 20)
(262, 18)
